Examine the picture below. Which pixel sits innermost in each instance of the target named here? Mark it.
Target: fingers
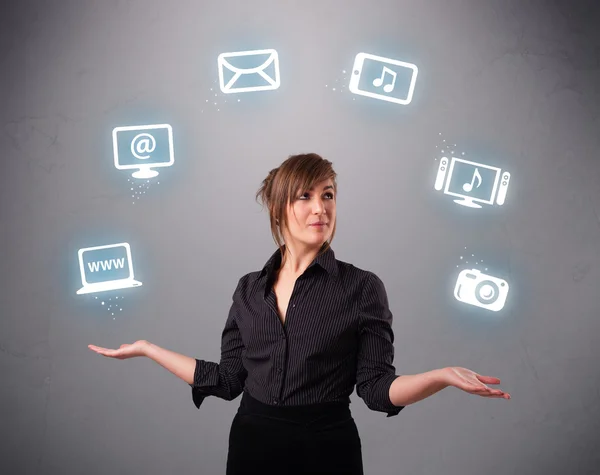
(490, 392)
(488, 379)
(500, 396)
(97, 349)
(104, 351)
(496, 396)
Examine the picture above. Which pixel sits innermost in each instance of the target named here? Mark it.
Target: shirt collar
(326, 260)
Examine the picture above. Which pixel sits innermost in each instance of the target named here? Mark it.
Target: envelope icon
(246, 71)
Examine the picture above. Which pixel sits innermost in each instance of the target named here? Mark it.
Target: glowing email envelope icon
(247, 71)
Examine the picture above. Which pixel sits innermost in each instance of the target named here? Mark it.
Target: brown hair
(282, 184)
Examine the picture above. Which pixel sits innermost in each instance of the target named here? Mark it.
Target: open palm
(125, 351)
(473, 383)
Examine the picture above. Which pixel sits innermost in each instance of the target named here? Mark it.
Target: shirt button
(293, 305)
(279, 370)
(275, 401)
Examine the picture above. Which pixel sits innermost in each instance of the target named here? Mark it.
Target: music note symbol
(377, 82)
(469, 186)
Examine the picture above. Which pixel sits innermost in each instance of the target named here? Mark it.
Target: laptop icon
(106, 268)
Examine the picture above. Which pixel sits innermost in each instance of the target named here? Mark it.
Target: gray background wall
(511, 83)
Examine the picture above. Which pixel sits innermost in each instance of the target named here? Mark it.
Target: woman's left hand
(473, 383)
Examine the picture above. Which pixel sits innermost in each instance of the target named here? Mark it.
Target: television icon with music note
(471, 182)
(382, 78)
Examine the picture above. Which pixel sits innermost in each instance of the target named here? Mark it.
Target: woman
(301, 332)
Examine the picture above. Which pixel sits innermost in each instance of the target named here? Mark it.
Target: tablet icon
(383, 78)
(471, 182)
(249, 71)
(482, 290)
(143, 148)
(106, 268)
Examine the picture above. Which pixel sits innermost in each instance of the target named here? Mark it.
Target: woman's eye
(327, 194)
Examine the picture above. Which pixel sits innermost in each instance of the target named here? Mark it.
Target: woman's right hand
(125, 351)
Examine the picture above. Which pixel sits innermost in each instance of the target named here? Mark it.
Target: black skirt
(295, 440)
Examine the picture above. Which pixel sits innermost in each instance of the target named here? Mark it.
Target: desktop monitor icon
(471, 182)
(106, 268)
(143, 148)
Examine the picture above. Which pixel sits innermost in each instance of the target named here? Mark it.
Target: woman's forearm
(180, 365)
(410, 388)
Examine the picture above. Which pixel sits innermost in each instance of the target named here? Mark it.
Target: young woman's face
(316, 205)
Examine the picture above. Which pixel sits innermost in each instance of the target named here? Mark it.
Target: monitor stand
(467, 201)
(145, 172)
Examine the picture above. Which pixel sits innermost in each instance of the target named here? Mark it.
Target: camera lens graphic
(487, 292)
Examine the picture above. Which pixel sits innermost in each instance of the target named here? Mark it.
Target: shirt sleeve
(225, 379)
(375, 370)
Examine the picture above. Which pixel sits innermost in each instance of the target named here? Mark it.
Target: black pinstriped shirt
(337, 334)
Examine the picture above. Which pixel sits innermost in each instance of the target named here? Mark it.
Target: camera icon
(482, 290)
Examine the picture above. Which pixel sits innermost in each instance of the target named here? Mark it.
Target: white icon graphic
(143, 148)
(383, 78)
(106, 268)
(142, 143)
(476, 288)
(472, 182)
(249, 71)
